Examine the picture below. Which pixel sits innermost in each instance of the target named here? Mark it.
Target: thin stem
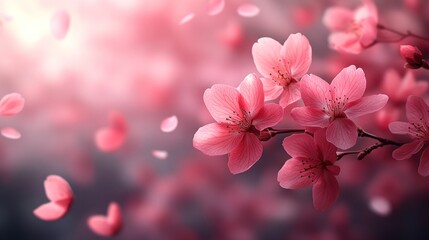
(401, 35)
(268, 133)
(362, 133)
(342, 154)
(284, 131)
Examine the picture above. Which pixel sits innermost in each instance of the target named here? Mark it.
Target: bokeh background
(134, 57)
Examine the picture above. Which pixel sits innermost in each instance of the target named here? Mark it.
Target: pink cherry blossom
(352, 30)
(399, 88)
(282, 66)
(418, 128)
(335, 106)
(312, 163)
(240, 115)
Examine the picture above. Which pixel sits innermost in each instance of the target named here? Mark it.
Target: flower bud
(412, 55)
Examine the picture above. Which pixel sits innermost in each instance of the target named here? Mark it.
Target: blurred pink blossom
(282, 66)
(399, 88)
(352, 30)
(240, 115)
(312, 163)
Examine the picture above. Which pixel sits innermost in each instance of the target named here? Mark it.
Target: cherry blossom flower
(312, 163)
(418, 128)
(240, 115)
(352, 30)
(282, 66)
(335, 106)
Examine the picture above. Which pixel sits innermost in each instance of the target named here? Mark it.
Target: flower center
(335, 106)
(311, 168)
(239, 122)
(420, 130)
(280, 76)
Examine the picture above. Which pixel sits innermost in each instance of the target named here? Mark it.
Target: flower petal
(290, 176)
(350, 83)
(216, 139)
(50, 211)
(248, 10)
(310, 117)
(342, 132)
(424, 163)
(169, 124)
(296, 52)
(253, 94)
(365, 105)
(11, 104)
(314, 91)
(57, 189)
(290, 95)
(345, 42)
(271, 89)
(60, 24)
(325, 191)
(247, 153)
(417, 109)
(407, 150)
(271, 114)
(215, 7)
(399, 127)
(301, 145)
(266, 55)
(328, 150)
(222, 101)
(338, 18)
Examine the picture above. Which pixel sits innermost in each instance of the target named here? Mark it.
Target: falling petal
(60, 195)
(112, 137)
(380, 206)
(187, 18)
(109, 225)
(10, 133)
(248, 10)
(60, 24)
(215, 7)
(11, 104)
(169, 124)
(160, 154)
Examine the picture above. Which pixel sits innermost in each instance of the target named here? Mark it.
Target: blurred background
(76, 62)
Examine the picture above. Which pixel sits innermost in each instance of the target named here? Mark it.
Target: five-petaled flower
(282, 66)
(312, 163)
(352, 30)
(335, 106)
(418, 127)
(240, 115)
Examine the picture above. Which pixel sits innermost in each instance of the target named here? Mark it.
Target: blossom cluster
(328, 112)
